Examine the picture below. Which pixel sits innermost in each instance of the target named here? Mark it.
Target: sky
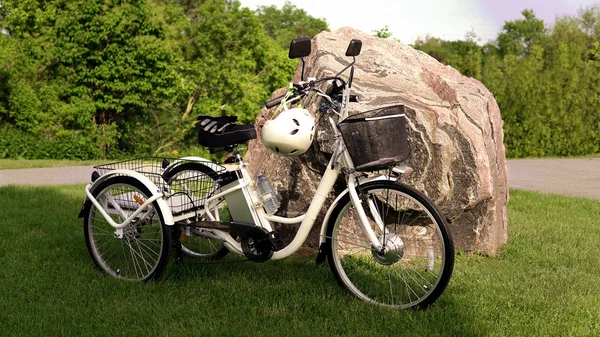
(446, 19)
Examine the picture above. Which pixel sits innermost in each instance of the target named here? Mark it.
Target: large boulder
(455, 132)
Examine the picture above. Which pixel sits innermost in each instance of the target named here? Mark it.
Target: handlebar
(273, 102)
(301, 89)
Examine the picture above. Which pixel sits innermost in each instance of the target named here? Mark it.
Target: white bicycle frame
(339, 159)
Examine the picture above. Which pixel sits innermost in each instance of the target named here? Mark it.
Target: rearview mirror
(299, 47)
(354, 48)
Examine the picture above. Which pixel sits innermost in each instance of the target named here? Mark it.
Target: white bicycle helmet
(290, 133)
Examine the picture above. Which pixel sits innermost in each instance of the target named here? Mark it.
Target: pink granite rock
(455, 132)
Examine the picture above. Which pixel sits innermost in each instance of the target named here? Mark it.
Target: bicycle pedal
(276, 241)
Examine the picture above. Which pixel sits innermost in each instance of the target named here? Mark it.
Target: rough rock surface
(455, 132)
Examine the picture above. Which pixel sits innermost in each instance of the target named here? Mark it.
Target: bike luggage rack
(185, 193)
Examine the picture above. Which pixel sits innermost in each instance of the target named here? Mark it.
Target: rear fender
(214, 166)
(162, 204)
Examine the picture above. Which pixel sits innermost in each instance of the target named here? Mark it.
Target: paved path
(577, 177)
(46, 176)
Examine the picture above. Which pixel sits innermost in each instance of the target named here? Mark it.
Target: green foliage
(545, 81)
(229, 66)
(288, 23)
(15, 143)
(465, 56)
(91, 68)
(383, 33)
(549, 94)
(113, 78)
(233, 65)
(519, 36)
(131, 76)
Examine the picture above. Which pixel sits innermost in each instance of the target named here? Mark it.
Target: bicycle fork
(364, 221)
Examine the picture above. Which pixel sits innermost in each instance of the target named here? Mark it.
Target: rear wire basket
(376, 139)
(185, 190)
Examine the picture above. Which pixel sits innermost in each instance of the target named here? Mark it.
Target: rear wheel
(197, 182)
(138, 252)
(417, 261)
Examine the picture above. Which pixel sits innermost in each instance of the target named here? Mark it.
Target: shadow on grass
(48, 277)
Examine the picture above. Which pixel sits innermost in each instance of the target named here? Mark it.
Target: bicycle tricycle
(385, 241)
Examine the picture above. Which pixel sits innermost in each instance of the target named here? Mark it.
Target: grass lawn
(545, 282)
(6, 164)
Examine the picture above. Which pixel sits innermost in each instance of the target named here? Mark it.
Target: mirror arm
(348, 66)
(302, 59)
(351, 72)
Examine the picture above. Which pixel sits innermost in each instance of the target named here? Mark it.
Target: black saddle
(217, 132)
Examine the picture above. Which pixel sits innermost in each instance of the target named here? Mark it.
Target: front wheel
(417, 260)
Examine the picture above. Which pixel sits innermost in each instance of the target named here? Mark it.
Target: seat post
(235, 157)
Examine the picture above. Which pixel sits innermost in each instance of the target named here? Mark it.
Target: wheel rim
(409, 270)
(133, 253)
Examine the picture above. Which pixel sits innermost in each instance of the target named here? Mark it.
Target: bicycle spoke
(390, 280)
(355, 238)
(148, 265)
(133, 259)
(407, 287)
(143, 248)
(411, 277)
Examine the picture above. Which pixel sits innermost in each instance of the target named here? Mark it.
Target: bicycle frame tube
(340, 159)
(325, 186)
(262, 219)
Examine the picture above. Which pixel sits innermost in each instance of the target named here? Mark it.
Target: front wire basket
(186, 183)
(376, 139)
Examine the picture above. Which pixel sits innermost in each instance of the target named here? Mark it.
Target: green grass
(6, 164)
(545, 282)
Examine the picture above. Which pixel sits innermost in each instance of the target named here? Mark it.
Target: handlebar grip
(273, 102)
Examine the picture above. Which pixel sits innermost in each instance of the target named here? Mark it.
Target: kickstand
(177, 246)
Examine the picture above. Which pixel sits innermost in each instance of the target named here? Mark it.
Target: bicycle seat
(216, 132)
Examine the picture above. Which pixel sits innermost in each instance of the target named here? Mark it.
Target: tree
(231, 65)
(519, 36)
(288, 23)
(464, 56)
(546, 84)
(91, 67)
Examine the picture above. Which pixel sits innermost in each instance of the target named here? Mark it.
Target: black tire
(192, 244)
(142, 251)
(419, 257)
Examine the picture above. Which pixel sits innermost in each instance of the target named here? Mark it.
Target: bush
(16, 143)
